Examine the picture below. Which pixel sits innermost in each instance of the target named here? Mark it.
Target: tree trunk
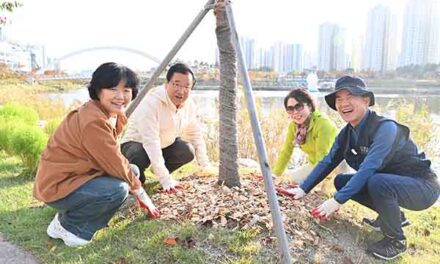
(228, 171)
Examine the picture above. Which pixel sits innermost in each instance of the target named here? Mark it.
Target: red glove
(170, 185)
(293, 191)
(316, 214)
(146, 203)
(326, 209)
(174, 187)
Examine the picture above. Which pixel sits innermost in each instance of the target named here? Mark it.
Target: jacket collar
(361, 124)
(121, 120)
(314, 115)
(98, 105)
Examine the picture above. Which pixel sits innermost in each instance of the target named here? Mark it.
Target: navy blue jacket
(377, 144)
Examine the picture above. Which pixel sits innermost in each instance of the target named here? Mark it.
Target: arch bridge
(55, 65)
(130, 50)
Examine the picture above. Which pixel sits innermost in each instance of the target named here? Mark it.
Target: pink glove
(146, 203)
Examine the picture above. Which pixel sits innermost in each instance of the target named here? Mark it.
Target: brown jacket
(84, 146)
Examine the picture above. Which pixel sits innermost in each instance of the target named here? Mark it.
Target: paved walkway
(12, 254)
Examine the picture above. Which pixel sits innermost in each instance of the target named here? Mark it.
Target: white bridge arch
(131, 50)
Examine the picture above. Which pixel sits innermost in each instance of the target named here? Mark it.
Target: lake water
(207, 100)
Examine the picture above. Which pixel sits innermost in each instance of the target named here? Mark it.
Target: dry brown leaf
(337, 248)
(172, 241)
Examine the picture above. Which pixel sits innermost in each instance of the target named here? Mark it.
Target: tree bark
(228, 169)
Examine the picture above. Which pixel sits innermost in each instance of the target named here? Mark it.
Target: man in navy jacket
(390, 171)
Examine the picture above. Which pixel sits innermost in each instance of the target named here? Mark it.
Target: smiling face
(179, 88)
(350, 107)
(298, 112)
(115, 99)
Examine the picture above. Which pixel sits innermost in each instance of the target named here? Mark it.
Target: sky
(154, 26)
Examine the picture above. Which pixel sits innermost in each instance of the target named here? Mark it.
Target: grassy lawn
(24, 221)
(134, 238)
(423, 234)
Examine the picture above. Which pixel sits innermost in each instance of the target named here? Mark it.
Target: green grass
(134, 238)
(423, 236)
(24, 221)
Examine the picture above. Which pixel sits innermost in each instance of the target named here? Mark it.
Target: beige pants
(299, 174)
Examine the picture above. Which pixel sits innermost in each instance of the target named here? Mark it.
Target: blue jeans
(386, 193)
(91, 206)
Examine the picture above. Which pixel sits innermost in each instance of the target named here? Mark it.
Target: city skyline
(421, 35)
(380, 40)
(376, 51)
(283, 25)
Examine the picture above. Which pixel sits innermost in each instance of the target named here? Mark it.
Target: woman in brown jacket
(82, 173)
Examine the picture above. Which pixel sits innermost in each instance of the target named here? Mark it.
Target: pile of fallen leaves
(204, 202)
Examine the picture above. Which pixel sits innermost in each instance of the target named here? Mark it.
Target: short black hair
(108, 75)
(180, 68)
(301, 96)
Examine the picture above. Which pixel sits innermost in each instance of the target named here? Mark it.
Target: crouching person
(82, 173)
(165, 131)
(309, 130)
(390, 171)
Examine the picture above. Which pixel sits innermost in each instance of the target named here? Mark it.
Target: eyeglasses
(176, 85)
(291, 109)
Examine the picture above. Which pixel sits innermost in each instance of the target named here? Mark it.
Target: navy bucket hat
(354, 85)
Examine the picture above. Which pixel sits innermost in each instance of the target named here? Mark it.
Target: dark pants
(176, 155)
(386, 193)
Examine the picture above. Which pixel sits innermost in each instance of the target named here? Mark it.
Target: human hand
(296, 192)
(171, 186)
(146, 203)
(326, 209)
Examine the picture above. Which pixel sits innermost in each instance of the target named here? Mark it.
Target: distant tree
(8, 6)
(228, 171)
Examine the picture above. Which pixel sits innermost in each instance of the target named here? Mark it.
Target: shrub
(419, 122)
(49, 108)
(15, 111)
(27, 142)
(6, 128)
(9, 76)
(52, 125)
(273, 124)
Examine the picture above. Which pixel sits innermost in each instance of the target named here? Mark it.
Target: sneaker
(387, 248)
(375, 223)
(56, 230)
